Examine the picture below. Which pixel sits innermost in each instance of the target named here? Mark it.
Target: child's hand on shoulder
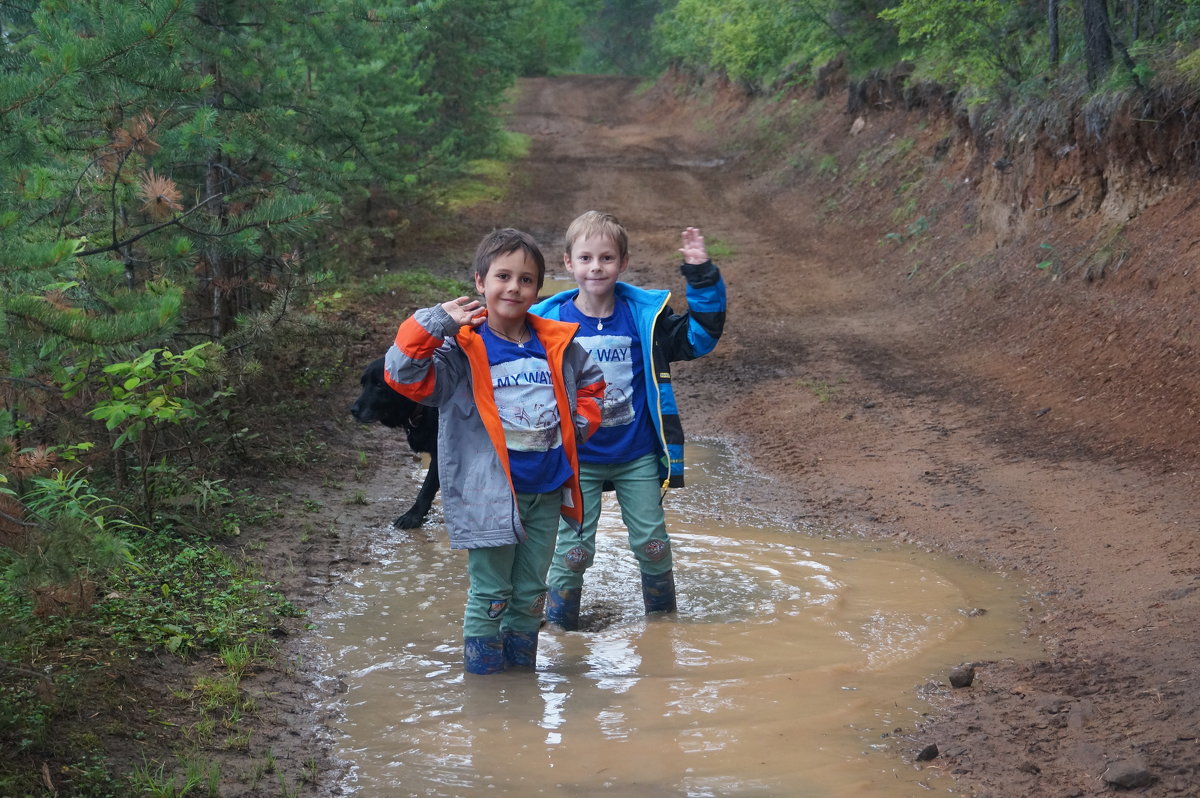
(693, 247)
(465, 312)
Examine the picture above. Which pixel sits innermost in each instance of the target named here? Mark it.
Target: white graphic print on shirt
(614, 355)
(524, 393)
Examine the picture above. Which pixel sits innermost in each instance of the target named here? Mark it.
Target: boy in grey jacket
(515, 395)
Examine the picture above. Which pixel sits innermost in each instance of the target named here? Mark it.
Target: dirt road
(871, 412)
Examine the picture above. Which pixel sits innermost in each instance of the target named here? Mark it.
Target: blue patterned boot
(483, 655)
(658, 592)
(562, 607)
(520, 649)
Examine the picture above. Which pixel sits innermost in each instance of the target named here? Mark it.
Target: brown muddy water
(794, 656)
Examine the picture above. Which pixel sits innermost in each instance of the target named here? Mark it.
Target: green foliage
(986, 49)
(139, 399)
(718, 249)
(545, 34)
(488, 179)
(197, 778)
(139, 394)
(173, 159)
(759, 43)
(618, 37)
(1047, 265)
(822, 389)
(978, 43)
(419, 285)
(76, 541)
(1189, 66)
(174, 173)
(748, 41)
(188, 598)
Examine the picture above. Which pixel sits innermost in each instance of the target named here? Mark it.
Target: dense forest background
(188, 189)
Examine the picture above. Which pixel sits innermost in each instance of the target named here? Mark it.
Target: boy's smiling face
(595, 263)
(510, 287)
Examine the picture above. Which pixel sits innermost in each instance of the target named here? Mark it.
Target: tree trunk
(1052, 26)
(219, 281)
(215, 180)
(1098, 47)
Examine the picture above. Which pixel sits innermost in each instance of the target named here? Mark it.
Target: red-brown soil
(926, 347)
(959, 386)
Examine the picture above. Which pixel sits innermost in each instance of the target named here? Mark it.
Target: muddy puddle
(794, 656)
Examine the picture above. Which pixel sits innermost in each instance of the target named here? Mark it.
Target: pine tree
(166, 166)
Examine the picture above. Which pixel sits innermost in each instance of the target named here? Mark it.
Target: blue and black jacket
(673, 337)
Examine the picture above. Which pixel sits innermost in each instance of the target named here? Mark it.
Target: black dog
(379, 402)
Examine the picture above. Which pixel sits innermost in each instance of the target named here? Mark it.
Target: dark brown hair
(503, 242)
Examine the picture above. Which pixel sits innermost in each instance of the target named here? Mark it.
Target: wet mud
(862, 405)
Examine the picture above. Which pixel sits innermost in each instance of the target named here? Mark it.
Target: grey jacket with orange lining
(435, 362)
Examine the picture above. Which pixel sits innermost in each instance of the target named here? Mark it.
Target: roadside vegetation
(192, 192)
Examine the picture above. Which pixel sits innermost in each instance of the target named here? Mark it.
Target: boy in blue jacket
(515, 394)
(633, 335)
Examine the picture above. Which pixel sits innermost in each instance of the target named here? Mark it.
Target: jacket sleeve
(589, 391)
(690, 335)
(418, 364)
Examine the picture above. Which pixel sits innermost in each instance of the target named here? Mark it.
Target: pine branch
(45, 86)
(17, 521)
(133, 239)
(282, 221)
(28, 383)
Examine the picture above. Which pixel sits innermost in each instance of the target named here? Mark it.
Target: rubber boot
(520, 649)
(562, 607)
(483, 655)
(658, 592)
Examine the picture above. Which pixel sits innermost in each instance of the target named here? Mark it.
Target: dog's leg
(429, 488)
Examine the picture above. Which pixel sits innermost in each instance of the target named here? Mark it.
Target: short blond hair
(597, 223)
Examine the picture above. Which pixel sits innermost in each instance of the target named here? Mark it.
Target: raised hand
(466, 312)
(693, 246)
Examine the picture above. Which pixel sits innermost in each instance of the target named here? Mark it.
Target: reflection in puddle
(792, 657)
(554, 283)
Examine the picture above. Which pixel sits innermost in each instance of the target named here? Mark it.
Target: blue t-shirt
(626, 431)
(523, 388)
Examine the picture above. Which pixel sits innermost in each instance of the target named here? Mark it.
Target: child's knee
(578, 559)
(655, 550)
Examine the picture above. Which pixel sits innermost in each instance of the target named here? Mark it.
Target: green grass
(952, 270)
(824, 391)
(58, 674)
(488, 179)
(827, 166)
(717, 249)
(418, 284)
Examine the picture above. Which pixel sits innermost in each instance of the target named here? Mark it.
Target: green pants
(508, 583)
(639, 492)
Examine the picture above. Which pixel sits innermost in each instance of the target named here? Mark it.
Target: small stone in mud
(1128, 774)
(1179, 593)
(1080, 713)
(928, 752)
(962, 676)
(1050, 704)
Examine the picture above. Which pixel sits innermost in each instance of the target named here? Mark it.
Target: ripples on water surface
(792, 657)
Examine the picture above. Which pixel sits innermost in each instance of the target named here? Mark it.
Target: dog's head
(378, 402)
